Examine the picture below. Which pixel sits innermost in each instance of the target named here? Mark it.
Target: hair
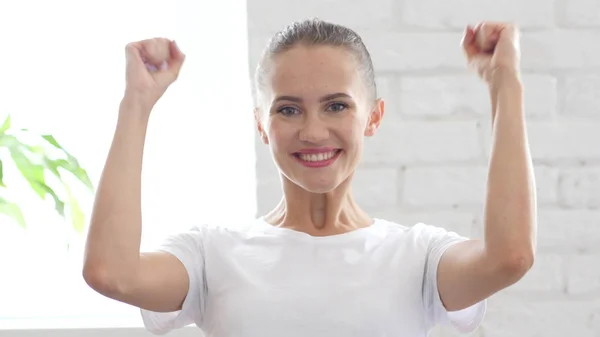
(316, 32)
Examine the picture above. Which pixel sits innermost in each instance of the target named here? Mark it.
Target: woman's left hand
(491, 46)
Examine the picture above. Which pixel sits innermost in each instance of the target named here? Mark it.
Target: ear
(375, 117)
(259, 127)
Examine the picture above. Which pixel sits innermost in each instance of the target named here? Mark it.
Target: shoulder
(419, 234)
(241, 230)
(417, 229)
(203, 233)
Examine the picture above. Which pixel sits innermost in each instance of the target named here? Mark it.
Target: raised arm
(471, 271)
(113, 264)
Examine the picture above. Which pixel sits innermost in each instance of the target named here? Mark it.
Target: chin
(317, 180)
(318, 190)
(319, 187)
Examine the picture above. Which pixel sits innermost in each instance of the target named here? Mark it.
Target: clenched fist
(492, 46)
(152, 65)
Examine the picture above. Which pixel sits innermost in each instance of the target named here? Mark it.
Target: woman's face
(314, 115)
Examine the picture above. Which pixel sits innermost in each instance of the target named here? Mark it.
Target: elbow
(97, 278)
(102, 280)
(515, 266)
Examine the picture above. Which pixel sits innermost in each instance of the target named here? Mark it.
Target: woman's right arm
(113, 264)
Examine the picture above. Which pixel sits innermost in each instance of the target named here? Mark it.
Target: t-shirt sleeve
(465, 321)
(188, 247)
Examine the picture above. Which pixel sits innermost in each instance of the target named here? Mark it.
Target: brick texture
(442, 14)
(428, 161)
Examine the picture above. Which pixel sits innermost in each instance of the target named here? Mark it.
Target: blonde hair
(316, 32)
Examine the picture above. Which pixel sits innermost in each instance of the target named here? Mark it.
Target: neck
(318, 214)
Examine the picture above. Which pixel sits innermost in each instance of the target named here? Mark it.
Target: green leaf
(59, 205)
(50, 139)
(73, 167)
(71, 164)
(52, 166)
(12, 210)
(75, 212)
(82, 175)
(6, 125)
(77, 216)
(32, 162)
(33, 173)
(1, 175)
(8, 141)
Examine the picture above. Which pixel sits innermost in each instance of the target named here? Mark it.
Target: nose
(314, 129)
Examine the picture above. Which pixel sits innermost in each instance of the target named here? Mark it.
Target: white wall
(428, 162)
(104, 332)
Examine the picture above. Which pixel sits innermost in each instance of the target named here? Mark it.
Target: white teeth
(318, 157)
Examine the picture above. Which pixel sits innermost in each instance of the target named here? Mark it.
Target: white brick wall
(428, 162)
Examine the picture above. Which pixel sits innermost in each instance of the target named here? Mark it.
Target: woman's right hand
(152, 66)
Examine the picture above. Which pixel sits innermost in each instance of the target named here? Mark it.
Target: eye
(337, 107)
(288, 111)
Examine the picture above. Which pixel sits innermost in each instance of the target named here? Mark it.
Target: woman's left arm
(473, 270)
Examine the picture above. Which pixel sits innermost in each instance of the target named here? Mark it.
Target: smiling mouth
(317, 159)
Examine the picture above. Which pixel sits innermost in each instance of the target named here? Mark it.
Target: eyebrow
(323, 99)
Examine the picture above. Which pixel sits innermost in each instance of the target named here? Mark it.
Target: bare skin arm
(471, 271)
(113, 264)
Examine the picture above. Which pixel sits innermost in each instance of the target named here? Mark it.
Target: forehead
(306, 69)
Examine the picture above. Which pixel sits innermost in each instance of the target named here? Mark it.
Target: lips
(317, 157)
(320, 156)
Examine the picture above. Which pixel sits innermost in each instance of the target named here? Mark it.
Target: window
(63, 74)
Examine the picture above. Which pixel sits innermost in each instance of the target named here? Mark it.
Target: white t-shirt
(264, 281)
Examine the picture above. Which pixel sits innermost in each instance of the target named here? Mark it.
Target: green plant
(34, 161)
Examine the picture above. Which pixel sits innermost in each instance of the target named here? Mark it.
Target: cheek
(278, 134)
(354, 130)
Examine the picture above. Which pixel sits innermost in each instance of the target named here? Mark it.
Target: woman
(317, 265)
